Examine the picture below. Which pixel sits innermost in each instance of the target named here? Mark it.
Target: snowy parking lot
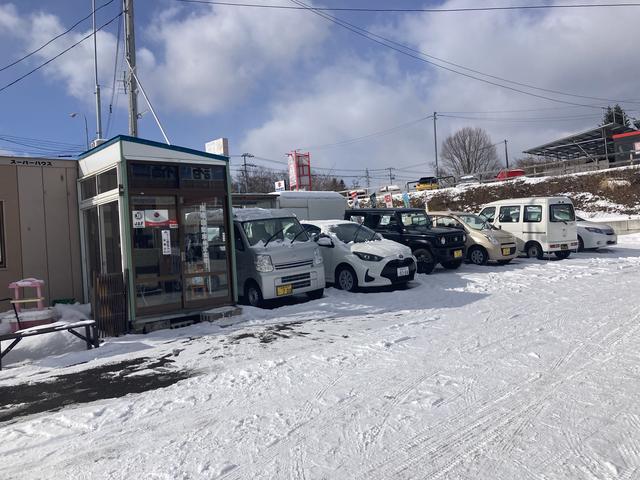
(529, 370)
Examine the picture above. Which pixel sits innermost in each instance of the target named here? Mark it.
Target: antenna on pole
(130, 56)
(95, 68)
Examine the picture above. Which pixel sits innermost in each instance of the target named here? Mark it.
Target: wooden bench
(90, 334)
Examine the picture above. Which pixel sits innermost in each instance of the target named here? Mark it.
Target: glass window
(153, 176)
(476, 222)
(561, 212)
(269, 230)
(92, 239)
(352, 232)
(88, 188)
(312, 229)
(489, 213)
(111, 237)
(509, 214)
(448, 222)
(204, 177)
(416, 220)
(3, 254)
(108, 181)
(532, 213)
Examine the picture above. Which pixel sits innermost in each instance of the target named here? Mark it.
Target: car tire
(478, 255)
(253, 295)
(426, 263)
(580, 244)
(452, 265)
(315, 294)
(346, 279)
(563, 254)
(534, 250)
(504, 262)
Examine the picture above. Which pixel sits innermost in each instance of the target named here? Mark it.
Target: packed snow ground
(530, 370)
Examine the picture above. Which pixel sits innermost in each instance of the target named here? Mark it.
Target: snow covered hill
(528, 370)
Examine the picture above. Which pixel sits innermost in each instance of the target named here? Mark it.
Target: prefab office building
(160, 215)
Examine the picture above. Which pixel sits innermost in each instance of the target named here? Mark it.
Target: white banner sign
(138, 219)
(166, 242)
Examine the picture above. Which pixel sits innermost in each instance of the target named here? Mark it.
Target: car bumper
(448, 254)
(598, 240)
(386, 272)
(506, 251)
(300, 281)
(560, 245)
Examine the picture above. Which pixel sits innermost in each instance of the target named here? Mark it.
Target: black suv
(412, 227)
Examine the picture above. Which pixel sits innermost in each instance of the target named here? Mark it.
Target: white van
(274, 256)
(540, 224)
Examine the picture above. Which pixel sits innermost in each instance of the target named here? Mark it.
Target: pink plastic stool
(27, 283)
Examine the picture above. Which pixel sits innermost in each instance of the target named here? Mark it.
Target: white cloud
(9, 19)
(213, 58)
(569, 50)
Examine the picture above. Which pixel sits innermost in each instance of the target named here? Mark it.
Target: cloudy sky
(272, 80)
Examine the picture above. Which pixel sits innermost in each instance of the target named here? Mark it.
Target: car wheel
(580, 244)
(253, 295)
(426, 264)
(534, 250)
(504, 262)
(562, 254)
(478, 256)
(315, 294)
(452, 265)
(346, 279)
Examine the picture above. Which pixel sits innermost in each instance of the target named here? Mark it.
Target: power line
(42, 142)
(407, 51)
(415, 10)
(55, 38)
(22, 77)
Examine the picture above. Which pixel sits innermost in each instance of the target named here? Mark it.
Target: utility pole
(391, 175)
(506, 153)
(95, 66)
(130, 55)
(435, 140)
(367, 178)
(246, 175)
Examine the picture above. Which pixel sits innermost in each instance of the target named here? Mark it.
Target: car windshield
(476, 222)
(352, 232)
(269, 230)
(561, 212)
(416, 221)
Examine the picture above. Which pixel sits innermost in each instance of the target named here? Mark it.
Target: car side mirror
(324, 241)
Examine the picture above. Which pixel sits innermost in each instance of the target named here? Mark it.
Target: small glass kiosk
(161, 215)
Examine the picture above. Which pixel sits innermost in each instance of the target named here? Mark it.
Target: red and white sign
(388, 200)
(153, 218)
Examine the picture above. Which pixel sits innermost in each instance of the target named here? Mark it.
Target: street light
(86, 128)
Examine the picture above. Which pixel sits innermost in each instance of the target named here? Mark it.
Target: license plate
(457, 254)
(564, 246)
(284, 290)
(403, 271)
(506, 251)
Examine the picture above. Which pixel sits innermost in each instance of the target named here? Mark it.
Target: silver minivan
(275, 257)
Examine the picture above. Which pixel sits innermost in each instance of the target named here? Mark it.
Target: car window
(561, 212)
(389, 222)
(448, 222)
(476, 222)
(352, 232)
(532, 213)
(311, 229)
(416, 220)
(509, 214)
(356, 218)
(489, 213)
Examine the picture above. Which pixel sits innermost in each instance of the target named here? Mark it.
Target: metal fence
(109, 304)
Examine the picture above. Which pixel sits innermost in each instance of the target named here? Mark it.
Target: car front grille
(289, 265)
(390, 270)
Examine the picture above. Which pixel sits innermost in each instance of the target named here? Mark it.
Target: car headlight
(317, 257)
(493, 240)
(443, 240)
(594, 230)
(263, 263)
(368, 257)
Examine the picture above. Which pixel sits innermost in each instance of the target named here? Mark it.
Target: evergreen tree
(616, 115)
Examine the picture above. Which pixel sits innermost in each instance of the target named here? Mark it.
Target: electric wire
(24, 57)
(417, 10)
(22, 77)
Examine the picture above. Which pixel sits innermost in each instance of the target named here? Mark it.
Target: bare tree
(262, 180)
(327, 183)
(469, 151)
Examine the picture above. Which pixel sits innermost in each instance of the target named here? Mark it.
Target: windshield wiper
(273, 236)
(355, 234)
(297, 234)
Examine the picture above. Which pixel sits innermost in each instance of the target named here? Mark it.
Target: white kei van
(540, 224)
(274, 256)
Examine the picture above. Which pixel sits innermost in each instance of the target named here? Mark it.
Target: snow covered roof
(314, 195)
(324, 223)
(249, 214)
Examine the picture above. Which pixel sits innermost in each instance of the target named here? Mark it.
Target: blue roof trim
(152, 143)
